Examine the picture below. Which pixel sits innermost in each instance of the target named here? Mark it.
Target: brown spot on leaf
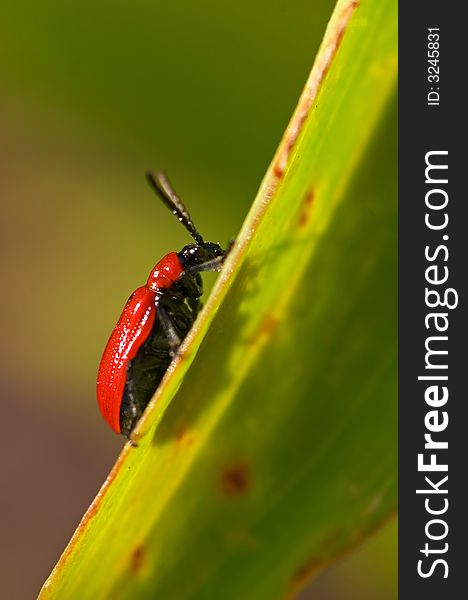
(305, 572)
(306, 208)
(269, 324)
(235, 480)
(324, 553)
(137, 560)
(267, 328)
(278, 169)
(184, 438)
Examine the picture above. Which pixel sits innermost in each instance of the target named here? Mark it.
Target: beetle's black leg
(169, 330)
(231, 243)
(195, 306)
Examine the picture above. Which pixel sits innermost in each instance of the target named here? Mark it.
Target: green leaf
(270, 447)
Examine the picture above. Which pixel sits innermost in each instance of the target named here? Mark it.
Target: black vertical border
(423, 128)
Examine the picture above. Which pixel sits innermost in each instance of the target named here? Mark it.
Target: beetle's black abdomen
(146, 370)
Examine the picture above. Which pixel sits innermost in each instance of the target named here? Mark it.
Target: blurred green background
(91, 95)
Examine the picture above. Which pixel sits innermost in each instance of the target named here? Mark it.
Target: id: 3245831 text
(433, 73)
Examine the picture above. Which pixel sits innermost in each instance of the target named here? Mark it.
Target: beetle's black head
(195, 255)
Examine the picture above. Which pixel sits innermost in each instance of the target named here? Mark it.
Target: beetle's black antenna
(161, 185)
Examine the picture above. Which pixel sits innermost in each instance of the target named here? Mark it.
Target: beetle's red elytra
(154, 321)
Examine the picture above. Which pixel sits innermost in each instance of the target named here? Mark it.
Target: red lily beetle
(155, 320)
